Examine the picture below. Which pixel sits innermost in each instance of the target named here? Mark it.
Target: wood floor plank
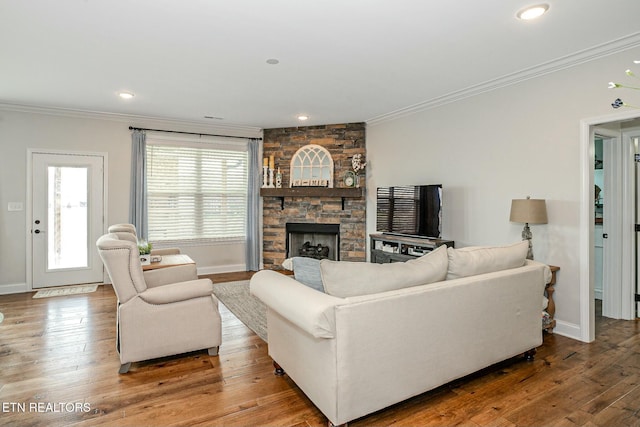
(61, 351)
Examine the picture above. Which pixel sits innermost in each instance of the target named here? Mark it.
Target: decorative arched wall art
(311, 166)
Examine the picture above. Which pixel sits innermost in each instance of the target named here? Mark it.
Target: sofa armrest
(547, 270)
(310, 310)
(175, 292)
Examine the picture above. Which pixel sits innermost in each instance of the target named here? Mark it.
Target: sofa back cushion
(474, 260)
(346, 279)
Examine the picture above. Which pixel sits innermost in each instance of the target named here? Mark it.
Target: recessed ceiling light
(125, 95)
(272, 61)
(303, 117)
(532, 12)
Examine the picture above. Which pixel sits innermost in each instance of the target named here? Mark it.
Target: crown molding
(132, 120)
(628, 42)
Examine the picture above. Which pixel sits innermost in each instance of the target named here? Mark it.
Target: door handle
(605, 236)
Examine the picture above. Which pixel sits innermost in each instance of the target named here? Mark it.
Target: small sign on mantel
(310, 183)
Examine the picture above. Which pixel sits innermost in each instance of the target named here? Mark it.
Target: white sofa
(356, 353)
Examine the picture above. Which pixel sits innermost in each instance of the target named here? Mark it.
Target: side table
(551, 306)
(169, 261)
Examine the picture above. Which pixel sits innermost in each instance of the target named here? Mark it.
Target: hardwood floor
(58, 366)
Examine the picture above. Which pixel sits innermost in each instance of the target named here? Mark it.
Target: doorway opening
(619, 206)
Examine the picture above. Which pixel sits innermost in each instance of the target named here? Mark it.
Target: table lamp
(528, 211)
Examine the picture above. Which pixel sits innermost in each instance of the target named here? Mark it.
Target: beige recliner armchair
(158, 318)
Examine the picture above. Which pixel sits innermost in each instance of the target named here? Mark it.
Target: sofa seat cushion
(474, 260)
(346, 279)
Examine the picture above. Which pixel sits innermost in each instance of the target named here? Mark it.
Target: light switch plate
(14, 206)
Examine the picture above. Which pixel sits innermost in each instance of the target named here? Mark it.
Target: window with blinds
(196, 193)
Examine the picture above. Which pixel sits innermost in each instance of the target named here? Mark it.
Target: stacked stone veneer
(342, 141)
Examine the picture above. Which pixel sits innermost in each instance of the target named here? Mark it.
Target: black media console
(399, 248)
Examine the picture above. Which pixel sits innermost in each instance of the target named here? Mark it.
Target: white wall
(24, 128)
(516, 141)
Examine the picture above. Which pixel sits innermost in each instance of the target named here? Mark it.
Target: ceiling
(339, 60)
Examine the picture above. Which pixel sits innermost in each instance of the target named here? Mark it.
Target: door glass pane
(67, 212)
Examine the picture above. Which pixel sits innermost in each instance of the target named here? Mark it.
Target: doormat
(65, 290)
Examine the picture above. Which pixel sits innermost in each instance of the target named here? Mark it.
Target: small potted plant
(144, 248)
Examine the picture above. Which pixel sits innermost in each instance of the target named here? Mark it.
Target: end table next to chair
(169, 261)
(551, 306)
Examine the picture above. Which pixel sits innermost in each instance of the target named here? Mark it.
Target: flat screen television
(414, 210)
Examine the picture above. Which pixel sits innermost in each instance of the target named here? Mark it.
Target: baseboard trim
(569, 330)
(14, 288)
(216, 269)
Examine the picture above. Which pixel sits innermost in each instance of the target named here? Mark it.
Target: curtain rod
(194, 133)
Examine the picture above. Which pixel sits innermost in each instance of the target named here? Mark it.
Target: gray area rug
(247, 308)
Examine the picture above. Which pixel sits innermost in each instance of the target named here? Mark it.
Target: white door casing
(67, 216)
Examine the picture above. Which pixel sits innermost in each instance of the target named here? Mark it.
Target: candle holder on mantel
(271, 179)
(268, 166)
(267, 177)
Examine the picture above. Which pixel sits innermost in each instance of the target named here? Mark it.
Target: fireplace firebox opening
(319, 241)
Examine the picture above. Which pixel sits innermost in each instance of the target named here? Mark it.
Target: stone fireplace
(322, 208)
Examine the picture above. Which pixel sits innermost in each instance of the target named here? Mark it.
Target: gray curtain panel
(138, 196)
(252, 250)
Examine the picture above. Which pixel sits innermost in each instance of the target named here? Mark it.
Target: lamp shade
(530, 211)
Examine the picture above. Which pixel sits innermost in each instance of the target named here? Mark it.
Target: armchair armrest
(310, 310)
(180, 291)
(165, 276)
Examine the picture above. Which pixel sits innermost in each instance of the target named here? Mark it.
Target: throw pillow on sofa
(346, 279)
(307, 271)
(474, 260)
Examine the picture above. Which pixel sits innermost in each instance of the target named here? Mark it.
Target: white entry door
(67, 218)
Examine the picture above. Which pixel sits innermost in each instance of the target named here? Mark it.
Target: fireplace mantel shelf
(344, 193)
